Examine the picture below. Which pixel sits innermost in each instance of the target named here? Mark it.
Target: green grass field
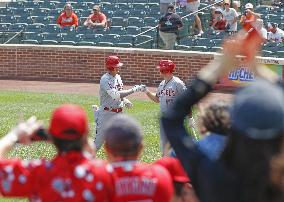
(21, 105)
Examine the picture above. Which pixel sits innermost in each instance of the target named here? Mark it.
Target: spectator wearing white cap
(249, 16)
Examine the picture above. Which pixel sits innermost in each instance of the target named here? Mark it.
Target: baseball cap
(175, 169)
(68, 122)
(96, 7)
(248, 6)
(258, 110)
(219, 10)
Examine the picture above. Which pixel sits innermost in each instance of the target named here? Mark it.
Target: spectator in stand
(231, 17)
(183, 191)
(133, 180)
(192, 7)
(169, 25)
(214, 125)
(70, 176)
(275, 34)
(97, 19)
(164, 6)
(261, 29)
(248, 16)
(68, 18)
(256, 136)
(219, 23)
(182, 3)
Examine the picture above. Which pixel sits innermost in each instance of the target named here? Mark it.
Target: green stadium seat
(199, 48)
(51, 28)
(105, 44)
(117, 30)
(216, 49)
(151, 31)
(85, 43)
(182, 47)
(32, 36)
(150, 21)
(266, 53)
(135, 21)
(123, 6)
(29, 41)
(112, 38)
(187, 41)
(127, 39)
(121, 13)
(133, 30)
(144, 41)
(94, 38)
(49, 42)
(17, 27)
(280, 54)
(36, 28)
(137, 13)
(4, 27)
(52, 37)
(139, 6)
(118, 21)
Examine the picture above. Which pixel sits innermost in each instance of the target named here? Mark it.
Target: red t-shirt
(100, 18)
(220, 25)
(136, 182)
(63, 20)
(69, 177)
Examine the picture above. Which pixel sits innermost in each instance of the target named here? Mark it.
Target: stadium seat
(182, 47)
(107, 6)
(51, 28)
(46, 4)
(84, 30)
(40, 19)
(187, 41)
(133, 30)
(154, 6)
(105, 44)
(117, 30)
(123, 6)
(85, 43)
(52, 37)
(199, 48)
(39, 12)
(135, 21)
(150, 21)
(139, 6)
(6, 11)
(8, 19)
(127, 39)
(266, 53)
(125, 1)
(17, 27)
(4, 27)
(154, 13)
(118, 21)
(94, 38)
(112, 38)
(49, 42)
(13, 38)
(137, 13)
(15, 4)
(121, 13)
(151, 31)
(30, 4)
(35, 28)
(144, 41)
(280, 54)
(23, 19)
(32, 37)
(216, 49)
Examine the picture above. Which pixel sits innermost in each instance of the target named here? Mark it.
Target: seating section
(132, 23)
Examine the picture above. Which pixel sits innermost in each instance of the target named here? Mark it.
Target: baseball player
(167, 91)
(71, 176)
(112, 97)
(134, 181)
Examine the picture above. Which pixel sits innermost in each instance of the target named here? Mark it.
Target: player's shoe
(95, 108)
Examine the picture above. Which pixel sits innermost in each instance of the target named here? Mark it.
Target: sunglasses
(226, 4)
(218, 12)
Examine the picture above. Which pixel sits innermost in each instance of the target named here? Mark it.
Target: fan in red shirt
(68, 17)
(219, 23)
(97, 19)
(71, 176)
(134, 181)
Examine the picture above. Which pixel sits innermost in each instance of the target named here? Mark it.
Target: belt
(117, 110)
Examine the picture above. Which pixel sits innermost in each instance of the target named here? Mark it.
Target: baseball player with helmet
(112, 97)
(167, 91)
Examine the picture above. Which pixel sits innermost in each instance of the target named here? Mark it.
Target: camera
(245, 13)
(40, 135)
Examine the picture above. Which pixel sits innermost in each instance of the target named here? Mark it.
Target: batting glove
(136, 88)
(143, 88)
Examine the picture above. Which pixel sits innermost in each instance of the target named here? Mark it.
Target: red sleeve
(16, 178)
(59, 20)
(165, 186)
(75, 20)
(103, 18)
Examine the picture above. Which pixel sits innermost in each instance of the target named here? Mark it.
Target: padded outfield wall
(86, 64)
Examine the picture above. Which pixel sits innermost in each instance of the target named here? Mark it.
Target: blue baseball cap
(258, 110)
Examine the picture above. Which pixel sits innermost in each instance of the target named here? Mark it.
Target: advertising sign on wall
(243, 75)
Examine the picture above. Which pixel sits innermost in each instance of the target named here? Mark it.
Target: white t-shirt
(229, 17)
(263, 32)
(277, 36)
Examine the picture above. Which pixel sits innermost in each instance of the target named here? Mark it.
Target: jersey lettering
(135, 185)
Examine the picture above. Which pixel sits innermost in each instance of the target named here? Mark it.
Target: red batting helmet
(166, 66)
(112, 62)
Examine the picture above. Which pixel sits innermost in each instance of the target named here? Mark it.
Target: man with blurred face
(97, 19)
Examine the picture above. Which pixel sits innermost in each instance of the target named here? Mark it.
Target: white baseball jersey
(109, 82)
(167, 91)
